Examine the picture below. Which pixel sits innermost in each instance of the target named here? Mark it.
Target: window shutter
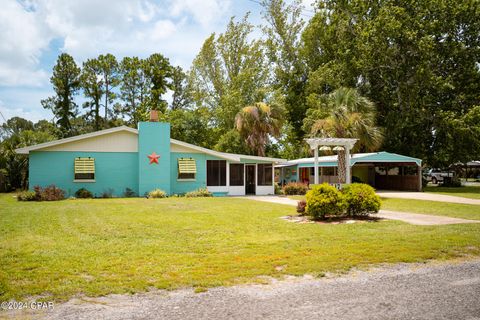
(187, 165)
(84, 165)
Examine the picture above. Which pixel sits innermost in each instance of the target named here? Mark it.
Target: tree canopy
(413, 68)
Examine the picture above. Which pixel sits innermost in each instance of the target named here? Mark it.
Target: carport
(382, 170)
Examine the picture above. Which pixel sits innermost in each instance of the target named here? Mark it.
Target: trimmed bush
(157, 193)
(324, 200)
(295, 188)
(360, 199)
(50, 193)
(201, 192)
(27, 196)
(83, 193)
(301, 206)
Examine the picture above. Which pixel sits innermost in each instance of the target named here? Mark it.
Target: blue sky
(34, 32)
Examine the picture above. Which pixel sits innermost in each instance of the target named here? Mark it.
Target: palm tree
(257, 122)
(346, 114)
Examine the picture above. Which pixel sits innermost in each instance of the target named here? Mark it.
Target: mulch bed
(330, 220)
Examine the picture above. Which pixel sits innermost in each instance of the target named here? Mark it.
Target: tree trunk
(342, 168)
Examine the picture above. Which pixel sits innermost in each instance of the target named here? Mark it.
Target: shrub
(107, 194)
(27, 196)
(324, 200)
(360, 199)
(50, 193)
(451, 182)
(295, 188)
(129, 193)
(201, 192)
(301, 206)
(83, 193)
(157, 193)
(278, 189)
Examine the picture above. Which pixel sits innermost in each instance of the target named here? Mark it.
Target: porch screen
(236, 174)
(187, 168)
(216, 173)
(84, 168)
(264, 175)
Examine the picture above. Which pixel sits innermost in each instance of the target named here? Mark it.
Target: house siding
(179, 186)
(114, 171)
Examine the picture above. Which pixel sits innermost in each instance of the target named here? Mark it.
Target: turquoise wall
(293, 176)
(153, 137)
(114, 171)
(179, 186)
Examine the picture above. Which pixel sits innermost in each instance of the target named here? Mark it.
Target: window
(236, 174)
(187, 168)
(216, 173)
(264, 174)
(84, 169)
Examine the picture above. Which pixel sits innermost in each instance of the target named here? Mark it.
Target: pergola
(337, 144)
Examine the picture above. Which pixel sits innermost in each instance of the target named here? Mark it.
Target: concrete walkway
(427, 196)
(412, 218)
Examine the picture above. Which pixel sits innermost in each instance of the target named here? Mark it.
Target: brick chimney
(153, 115)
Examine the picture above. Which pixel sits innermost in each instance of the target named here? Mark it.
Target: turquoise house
(119, 159)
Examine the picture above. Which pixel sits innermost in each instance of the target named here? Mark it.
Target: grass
(456, 210)
(55, 250)
(472, 192)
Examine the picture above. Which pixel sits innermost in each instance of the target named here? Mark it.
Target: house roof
(356, 158)
(223, 155)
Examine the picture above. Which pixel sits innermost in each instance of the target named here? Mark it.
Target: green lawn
(466, 192)
(456, 210)
(94, 247)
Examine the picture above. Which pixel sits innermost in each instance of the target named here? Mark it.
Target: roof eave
(26, 150)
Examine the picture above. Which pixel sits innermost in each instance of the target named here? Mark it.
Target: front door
(250, 179)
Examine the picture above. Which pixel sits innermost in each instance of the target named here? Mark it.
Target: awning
(187, 165)
(84, 165)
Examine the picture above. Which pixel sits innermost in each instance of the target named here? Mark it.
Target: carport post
(315, 168)
(419, 173)
(348, 179)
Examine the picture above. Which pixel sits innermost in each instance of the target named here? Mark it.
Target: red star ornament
(153, 158)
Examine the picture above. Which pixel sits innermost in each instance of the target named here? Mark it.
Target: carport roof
(382, 157)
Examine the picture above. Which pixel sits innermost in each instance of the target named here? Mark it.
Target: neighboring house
(382, 170)
(113, 160)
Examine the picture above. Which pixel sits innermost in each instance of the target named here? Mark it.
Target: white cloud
(22, 40)
(17, 75)
(206, 12)
(32, 114)
(162, 29)
(87, 28)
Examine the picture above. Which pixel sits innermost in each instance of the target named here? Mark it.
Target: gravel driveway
(404, 291)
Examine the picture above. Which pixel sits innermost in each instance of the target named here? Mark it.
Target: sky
(34, 32)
